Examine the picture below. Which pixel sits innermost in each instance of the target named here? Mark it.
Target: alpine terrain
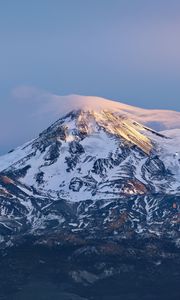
(97, 182)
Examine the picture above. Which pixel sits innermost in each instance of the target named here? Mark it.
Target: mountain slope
(93, 171)
(155, 118)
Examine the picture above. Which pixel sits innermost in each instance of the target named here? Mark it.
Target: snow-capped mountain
(48, 107)
(157, 119)
(94, 170)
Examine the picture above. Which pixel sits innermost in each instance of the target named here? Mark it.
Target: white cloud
(31, 110)
(56, 106)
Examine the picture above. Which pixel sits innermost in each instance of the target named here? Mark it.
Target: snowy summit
(94, 156)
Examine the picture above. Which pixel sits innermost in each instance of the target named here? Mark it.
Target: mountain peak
(154, 118)
(92, 120)
(89, 103)
(94, 155)
(94, 149)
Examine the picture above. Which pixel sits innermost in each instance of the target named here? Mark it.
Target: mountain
(47, 108)
(157, 119)
(94, 174)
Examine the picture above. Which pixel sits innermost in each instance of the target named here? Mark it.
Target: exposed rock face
(93, 174)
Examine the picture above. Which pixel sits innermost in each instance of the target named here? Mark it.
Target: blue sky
(125, 50)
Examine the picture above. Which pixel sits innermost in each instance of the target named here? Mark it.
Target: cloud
(22, 93)
(55, 106)
(27, 111)
(41, 102)
(31, 110)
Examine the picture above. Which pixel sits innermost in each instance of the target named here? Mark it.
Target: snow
(169, 152)
(106, 131)
(99, 144)
(173, 133)
(12, 157)
(154, 118)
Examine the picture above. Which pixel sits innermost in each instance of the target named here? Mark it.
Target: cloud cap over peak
(32, 110)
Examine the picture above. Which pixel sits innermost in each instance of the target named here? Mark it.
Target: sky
(124, 50)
